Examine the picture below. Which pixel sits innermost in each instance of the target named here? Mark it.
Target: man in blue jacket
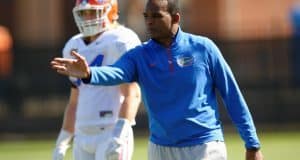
(178, 74)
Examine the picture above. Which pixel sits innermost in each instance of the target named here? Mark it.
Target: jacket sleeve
(233, 99)
(123, 71)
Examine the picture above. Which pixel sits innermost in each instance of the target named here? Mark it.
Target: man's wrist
(64, 138)
(121, 126)
(254, 149)
(88, 78)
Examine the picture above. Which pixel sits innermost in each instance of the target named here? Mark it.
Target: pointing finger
(63, 60)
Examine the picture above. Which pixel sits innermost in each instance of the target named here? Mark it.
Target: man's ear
(176, 18)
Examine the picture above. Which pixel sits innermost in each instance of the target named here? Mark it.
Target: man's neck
(167, 42)
(90, 39)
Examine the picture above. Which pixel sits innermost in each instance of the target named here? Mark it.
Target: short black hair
(173, 6)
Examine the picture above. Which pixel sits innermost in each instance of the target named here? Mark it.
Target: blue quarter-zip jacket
(179, 87)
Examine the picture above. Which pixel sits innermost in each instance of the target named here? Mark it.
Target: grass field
(276, 146)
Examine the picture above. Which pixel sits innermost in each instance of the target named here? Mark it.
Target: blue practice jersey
(178, 87)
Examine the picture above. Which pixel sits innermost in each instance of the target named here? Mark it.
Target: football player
(100, 117)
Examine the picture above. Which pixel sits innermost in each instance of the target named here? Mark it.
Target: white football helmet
(94, 16)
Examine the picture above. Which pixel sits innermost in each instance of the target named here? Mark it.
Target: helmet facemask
(92, 19)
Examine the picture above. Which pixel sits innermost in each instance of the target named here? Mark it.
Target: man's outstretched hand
(77, 67)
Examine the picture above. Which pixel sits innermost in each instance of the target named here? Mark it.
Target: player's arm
(123, 129)
(66, 133)
(132, 100)
(70, 111)
(128, 110)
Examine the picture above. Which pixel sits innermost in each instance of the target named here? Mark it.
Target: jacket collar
(175, 41)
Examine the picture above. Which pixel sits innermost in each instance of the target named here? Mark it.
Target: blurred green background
(276, 146)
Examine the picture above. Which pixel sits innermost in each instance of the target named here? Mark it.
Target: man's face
(158, 20)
